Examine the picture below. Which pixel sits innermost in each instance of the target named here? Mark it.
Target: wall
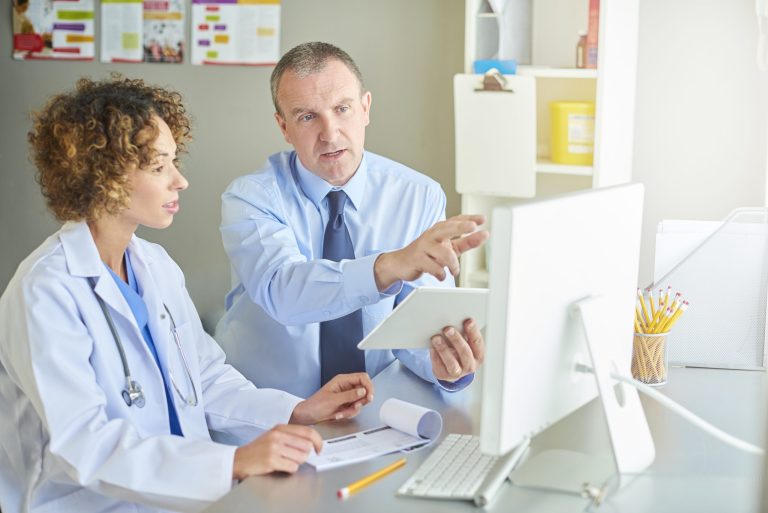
(700, 133)
(408, 52)
(700, 126)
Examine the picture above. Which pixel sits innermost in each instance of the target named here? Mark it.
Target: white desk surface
(692, 471)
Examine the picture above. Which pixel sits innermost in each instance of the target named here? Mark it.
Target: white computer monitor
(553, 263)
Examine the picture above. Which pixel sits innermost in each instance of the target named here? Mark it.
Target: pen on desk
(362, 483)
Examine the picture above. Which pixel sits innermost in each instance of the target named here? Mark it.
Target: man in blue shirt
(312, 265)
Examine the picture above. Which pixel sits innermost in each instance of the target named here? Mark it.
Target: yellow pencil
(655, 320)
(672, 320)
(362, 483)
(642, 305)
(659, 328)
(639, 320)
(653, 304)
(677, 301)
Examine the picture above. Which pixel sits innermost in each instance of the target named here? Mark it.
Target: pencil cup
(649, 358)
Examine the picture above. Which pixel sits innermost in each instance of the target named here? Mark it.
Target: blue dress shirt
(273, 224)
(132, 296)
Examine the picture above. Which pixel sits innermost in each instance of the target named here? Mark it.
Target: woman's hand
(281, 449)
(340, 398)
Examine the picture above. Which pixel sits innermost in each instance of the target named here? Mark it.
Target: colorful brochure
(238, 32)
(53, 29)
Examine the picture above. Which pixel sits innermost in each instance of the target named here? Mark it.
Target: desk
(692, 471)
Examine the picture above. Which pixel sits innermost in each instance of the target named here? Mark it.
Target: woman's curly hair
(85, 142)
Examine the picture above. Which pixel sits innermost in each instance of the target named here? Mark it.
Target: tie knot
(336, 201)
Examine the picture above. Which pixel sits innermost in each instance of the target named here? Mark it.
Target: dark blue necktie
(339, 338)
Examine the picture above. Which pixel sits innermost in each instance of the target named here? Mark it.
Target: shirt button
(327, 314)
(364, 299)
(162, 316)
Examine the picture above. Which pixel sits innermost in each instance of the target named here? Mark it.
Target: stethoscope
(133, 393)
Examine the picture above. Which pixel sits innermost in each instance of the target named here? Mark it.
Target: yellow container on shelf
(573, 132)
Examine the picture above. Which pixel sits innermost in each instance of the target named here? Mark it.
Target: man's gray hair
(308, 58)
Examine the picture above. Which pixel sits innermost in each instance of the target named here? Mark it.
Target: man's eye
(344, 108)
(306, 117)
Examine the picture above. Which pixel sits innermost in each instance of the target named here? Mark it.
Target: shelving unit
(503, 139)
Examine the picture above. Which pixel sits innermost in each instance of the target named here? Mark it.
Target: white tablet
(425, 312)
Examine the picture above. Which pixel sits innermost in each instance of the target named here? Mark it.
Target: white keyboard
(454, 470)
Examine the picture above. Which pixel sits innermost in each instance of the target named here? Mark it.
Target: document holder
(721, 268)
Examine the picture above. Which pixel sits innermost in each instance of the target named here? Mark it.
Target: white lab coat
(68, 441)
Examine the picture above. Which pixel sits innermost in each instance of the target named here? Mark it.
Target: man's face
(324, 118)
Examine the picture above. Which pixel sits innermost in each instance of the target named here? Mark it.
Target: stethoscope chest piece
(133, 395)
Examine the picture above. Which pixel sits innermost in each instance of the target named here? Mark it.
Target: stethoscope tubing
(132, 393)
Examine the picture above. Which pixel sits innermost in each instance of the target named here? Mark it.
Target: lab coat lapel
(158, 321)
(83, 260)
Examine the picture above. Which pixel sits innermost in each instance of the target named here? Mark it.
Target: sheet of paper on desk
(407, 426)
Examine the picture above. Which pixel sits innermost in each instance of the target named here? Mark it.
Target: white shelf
(547, 72)
(549, 167)
(505, 150)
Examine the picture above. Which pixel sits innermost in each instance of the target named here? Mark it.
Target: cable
(690, 416)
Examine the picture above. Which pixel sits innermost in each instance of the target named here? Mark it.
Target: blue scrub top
(132, 296)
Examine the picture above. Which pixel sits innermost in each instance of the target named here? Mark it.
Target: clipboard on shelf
(495, 134)
(424, 313)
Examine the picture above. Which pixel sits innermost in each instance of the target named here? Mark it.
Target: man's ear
(283, 127)
(366, 101)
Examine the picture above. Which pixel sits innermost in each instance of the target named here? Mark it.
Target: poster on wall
(142, 31)
(53, 29)
(237, 32)
(121, 24)
(164, 31)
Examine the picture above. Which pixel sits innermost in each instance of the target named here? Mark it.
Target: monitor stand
(582, 468)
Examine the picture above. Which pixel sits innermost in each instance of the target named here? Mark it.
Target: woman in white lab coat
(83, 427)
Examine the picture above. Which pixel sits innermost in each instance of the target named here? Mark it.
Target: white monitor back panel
(549, 255)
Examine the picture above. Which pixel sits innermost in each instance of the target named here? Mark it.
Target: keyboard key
(454, 470)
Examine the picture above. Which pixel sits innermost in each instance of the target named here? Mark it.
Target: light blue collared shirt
(273, 224)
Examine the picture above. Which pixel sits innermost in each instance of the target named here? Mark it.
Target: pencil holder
(649, 358)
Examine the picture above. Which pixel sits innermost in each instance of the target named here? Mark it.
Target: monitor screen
(545, 256)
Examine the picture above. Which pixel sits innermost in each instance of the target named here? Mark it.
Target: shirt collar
(316, 188)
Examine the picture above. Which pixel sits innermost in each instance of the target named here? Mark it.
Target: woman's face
(155, 189)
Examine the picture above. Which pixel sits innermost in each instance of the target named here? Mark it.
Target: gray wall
(407, 50)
